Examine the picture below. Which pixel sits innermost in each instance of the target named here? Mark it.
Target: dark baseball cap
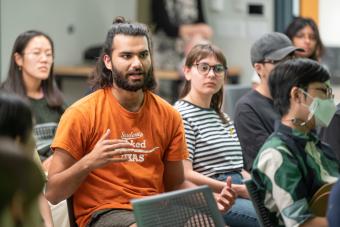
(272, 46)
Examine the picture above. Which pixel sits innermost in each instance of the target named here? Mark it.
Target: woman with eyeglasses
(30, 75)
(304, 33)
(214, 150)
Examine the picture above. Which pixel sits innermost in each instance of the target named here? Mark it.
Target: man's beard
(122, 81)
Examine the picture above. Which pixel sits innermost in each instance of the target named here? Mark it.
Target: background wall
(73, 25)
(236, 30)
(329, 18)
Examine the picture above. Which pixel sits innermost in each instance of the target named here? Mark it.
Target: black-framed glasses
(327, 91)
(274, 62)
(204, 69)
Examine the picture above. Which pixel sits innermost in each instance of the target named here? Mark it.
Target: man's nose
(136, 62)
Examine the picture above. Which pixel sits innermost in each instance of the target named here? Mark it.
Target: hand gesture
(226, 198)
(107, 151)
(241, 190)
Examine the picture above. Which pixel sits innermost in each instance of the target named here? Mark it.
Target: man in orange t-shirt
(122, 141)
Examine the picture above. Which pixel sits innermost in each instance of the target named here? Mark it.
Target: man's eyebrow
(130, 52)
(126, 52)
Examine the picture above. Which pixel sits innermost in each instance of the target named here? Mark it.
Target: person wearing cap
(254, 112)
(293, 167)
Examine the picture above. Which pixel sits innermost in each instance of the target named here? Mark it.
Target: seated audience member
(292, 164)
(214, 150)
(331, 134)
(16, 122)
(333, 213)
(22, 182)
(254, 112)
(122, 141)
(30, 75)
(304, 34)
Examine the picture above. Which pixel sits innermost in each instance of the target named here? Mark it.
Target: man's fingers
(117, 147)
(118, 142)
(106, 135)
(118, 159)
(120, 151)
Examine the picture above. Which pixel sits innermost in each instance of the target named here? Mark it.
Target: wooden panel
(310, 8)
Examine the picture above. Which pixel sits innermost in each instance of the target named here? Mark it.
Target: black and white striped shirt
(213, 147)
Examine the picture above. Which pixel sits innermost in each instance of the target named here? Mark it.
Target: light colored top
(213, 146)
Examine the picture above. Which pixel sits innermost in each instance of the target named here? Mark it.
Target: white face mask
(323, 110)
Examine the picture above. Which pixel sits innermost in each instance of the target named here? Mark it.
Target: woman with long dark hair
(30, 75)
(304, 33)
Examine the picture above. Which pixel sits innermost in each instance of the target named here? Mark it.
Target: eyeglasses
(39, 54)
(327, 91)
(204, 69)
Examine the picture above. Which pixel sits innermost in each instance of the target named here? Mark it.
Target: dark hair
(15, 117)
(18, 173)
(299, 23)
(14, 82)
(102, 77)
(197, 53)
(299, 72)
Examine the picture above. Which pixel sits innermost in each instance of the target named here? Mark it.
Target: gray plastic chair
(261, 211)
(189, 207)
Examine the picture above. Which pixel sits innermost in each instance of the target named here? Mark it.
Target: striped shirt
(213, 147)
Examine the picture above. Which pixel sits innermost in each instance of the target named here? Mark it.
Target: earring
(19, 67)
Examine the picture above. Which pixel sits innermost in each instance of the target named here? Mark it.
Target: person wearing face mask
(293, 163)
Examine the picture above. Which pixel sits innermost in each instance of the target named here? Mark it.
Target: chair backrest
(232, 93)
(70, 211)
(319, 202)
(188, 207)
(261, 211)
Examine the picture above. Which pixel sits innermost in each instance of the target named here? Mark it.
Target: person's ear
(107, 61)
(259, 69)
(296, 94)
(18, 59)
(187, 73)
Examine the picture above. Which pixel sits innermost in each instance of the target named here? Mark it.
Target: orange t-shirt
(157, 125)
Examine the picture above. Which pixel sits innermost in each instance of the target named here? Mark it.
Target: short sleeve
(72, 133)
(251, 132)
(177, 149)
(190, 138)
